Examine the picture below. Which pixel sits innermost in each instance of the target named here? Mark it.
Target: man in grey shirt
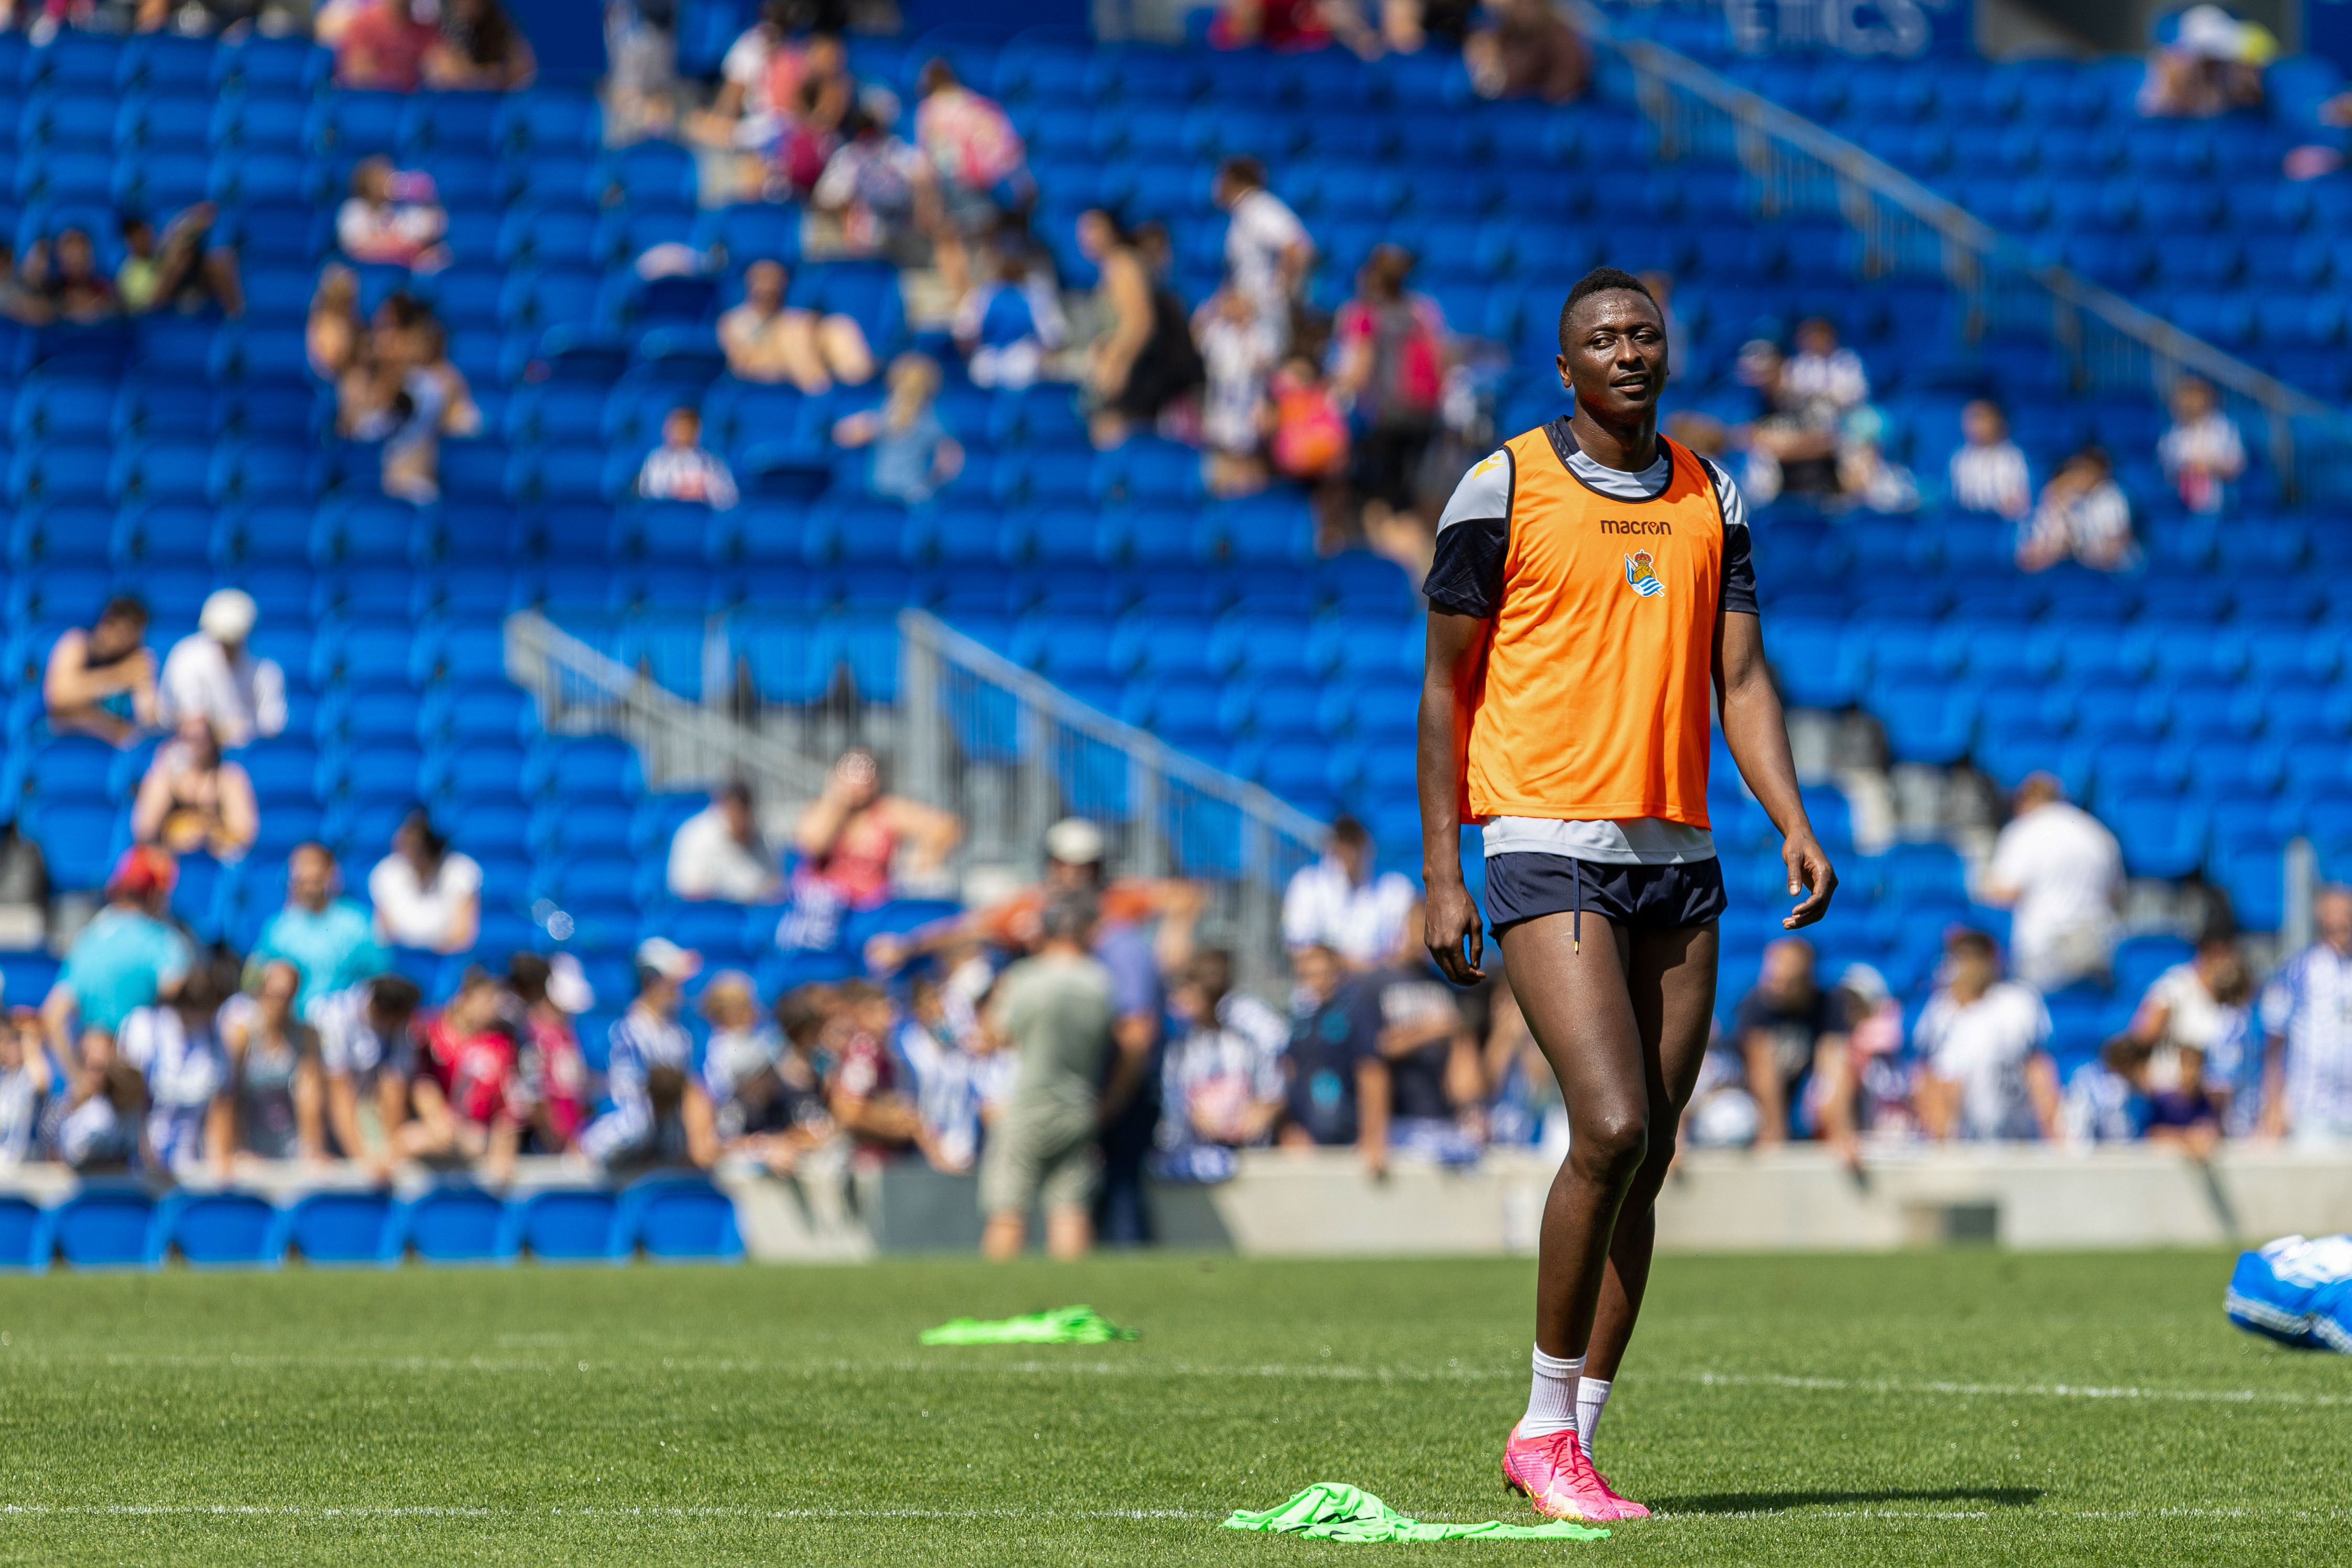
(1055, 1009)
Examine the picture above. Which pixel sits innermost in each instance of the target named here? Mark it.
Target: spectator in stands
(884, 195)
(276, 1089)
(1006, 326)
(334, 332)
(1267, 251)
(660, 1115)
(1239, 348)
(1331, 1059)
(27, 1077)
(720, 852)
(62, 281)
(212, 674)
(2213, 66)
(814, 119)
(17, 302)
(1292, 25)
(393, 218)
(1863, 1077)
(852, 837)
(1988, 471)
(1054, 1008)
(181, 272)
(1345, 904)
(1145, 358)
(432, 401)
(1528, 52)
(1222, 1084)
(383, 47)
(479, 48)
(543, 995)
(367, 1053)
(2202, 453)
(1823, 375)
(1426, 1095)
(194, 801)
(2188, 1019)
(1307, 439)
(741, 1042)
(1793, 447)
(862, 1093)
(1392, 359)
(1786, 1028)
(2060, 872)
(471, 1055)
(1985, 1043)
(769, 341)
(959, 1082)
(1866, 476)
(328, 938)
(2105, 1098)
(773, 1113)
(641, 88)
(2082, 515)
(2307, 1023)
(982, 164)
(426, 895)
(121, 960)
(760, 77)
(914, 453)
(681, 469)
(174, 1043)
(101, 682)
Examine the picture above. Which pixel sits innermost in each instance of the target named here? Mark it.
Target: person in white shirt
(2307, 1017)
(1337, 902)
(1221, 1080)
(718, 853)
(1267, 251)
(2190, 1014)
(1820, 376)
(213, 673)
(1989, 472)
(2084, 515)
(1984, 1042)
(425, 894)
(2061, 874)
(2202, 453)
(679, 469)
(176, 1046)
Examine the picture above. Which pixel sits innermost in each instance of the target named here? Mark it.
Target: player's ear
(1560, 362)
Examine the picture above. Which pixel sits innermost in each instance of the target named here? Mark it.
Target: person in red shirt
(551, 1074)
(383, 48)
(863, 1094)
(470, 1098)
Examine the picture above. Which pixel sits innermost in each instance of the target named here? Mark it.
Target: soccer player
(1591, 582)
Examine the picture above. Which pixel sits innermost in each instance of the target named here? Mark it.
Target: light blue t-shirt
(335, 949)
(119, 963)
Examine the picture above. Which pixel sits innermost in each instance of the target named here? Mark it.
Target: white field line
(1315, 1371)
(361, 1512)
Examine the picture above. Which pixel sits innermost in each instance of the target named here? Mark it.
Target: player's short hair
(1348, 832)
(1242, 170)
(1601, 280)
(1969, 943)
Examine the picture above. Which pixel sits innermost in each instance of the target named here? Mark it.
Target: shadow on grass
(1780, 1502)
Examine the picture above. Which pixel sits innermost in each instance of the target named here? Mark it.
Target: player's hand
(1810, 874)
(1449, 925)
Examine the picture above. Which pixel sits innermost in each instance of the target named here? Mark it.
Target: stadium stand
(2199, 703)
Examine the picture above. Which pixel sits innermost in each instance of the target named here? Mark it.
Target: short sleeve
(2278, 1003)
(1737, 594)
(462, 875)
(1473, 540)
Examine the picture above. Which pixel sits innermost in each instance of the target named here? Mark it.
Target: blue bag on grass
(2297, 1291)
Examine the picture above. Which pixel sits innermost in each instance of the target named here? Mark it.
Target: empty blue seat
(458, 1225)
(569, 1226)
(108, 1227)
(679, 1219)
(28, 1236)
(223, 1230)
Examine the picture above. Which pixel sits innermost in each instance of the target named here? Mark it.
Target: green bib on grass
(1062, 1326)
(1333, 1511)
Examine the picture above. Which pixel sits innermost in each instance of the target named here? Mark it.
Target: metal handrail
(1673, 88)
(582, 690)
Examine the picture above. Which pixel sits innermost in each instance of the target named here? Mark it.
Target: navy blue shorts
(1522, 887)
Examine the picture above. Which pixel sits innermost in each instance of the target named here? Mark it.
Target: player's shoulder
(1485, 493)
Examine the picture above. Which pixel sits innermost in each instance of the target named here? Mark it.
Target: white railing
(582, 691)
(2107, 342)
(1011, 754)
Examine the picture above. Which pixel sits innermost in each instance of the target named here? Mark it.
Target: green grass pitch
(1965, 1407)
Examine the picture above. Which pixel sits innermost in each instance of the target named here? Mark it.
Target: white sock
(1591, 1399)
(1551, 1402)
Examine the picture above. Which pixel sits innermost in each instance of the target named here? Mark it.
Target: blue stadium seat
(27, 1236)
(222, 1230)
(569, 1225)
(345, 1229)
(456, 1225)
(108, 1227)
(679, 1219)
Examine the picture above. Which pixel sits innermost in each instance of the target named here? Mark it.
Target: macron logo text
(1626, 525)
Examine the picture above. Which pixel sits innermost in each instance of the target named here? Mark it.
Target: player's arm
(1759, 737)
(1456, 648)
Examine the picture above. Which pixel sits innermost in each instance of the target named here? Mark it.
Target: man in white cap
(213, 673)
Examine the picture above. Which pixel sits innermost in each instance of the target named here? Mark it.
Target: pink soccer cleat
(1554, 1475)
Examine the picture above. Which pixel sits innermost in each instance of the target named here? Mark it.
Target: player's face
(1615, 357)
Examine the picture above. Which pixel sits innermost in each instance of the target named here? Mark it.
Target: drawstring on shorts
(1576, 928)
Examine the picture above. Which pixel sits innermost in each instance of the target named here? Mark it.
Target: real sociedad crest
(1641, 577)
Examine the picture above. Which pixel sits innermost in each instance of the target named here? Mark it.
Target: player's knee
(1610, 1144)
